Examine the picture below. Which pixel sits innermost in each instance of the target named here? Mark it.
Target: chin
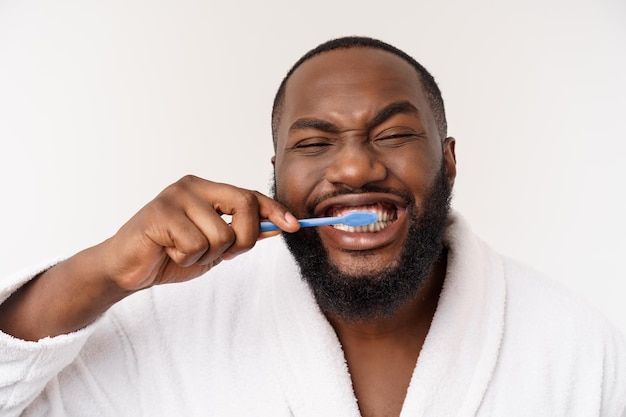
(363, 264)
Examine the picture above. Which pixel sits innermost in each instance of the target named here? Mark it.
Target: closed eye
(401, 135)
(397, 139)
(311, 146)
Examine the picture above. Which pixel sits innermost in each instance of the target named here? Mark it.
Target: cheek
(415, 171)
(294, 185)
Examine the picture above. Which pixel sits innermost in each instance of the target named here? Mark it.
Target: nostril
(356, 169)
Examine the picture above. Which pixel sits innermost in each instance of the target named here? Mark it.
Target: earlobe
(450, 157)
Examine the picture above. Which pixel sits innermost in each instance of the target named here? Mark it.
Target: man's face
(356, 132)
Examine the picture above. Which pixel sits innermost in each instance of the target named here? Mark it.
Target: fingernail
(290, 218)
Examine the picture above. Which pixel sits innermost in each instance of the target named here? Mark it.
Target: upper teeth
(385, 218)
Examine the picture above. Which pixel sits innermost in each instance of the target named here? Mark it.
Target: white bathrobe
(249, 340)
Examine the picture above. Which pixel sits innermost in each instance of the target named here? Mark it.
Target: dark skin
(381, 355)
(356, 118)
(363, 120)
(176, 237)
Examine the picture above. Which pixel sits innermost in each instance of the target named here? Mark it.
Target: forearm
(178, 236)
(63, 299)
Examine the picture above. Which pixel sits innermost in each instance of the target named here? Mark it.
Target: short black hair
(433, 94)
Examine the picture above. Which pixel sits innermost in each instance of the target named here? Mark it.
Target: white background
(104, 103)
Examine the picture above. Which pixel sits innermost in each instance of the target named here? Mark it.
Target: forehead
(350, 84)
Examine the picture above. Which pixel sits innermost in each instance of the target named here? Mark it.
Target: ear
(450, 156)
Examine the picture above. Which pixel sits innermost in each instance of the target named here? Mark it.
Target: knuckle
(184, 184)
(224, 237)
(196, 246)
(189, 251)
(181, 258)
(242, 246)
(187, 179)
(248, 199)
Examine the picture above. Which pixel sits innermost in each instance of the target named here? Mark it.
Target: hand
(181, 234)
(176, 237)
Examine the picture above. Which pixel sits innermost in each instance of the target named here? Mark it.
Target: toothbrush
(353, 218)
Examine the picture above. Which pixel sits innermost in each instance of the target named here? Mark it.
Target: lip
(361, 199)
(363, 241)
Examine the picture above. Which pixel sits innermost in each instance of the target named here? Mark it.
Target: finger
(277, 213)
(246, 218)
(188, 227)
(243, 205)
(228, 255)
(184, 243)
(268, 234)
(225, 241)
(219, 234)
(267, 209)
(203, 202)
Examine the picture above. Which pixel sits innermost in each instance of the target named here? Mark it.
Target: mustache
(408, 198)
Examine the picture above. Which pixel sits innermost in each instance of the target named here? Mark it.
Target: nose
(355, 165)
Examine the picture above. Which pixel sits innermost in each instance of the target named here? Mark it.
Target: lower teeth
(374, 227)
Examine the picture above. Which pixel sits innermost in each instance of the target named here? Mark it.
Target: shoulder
(536, 299)
(532, 298)
(555, 344)
(556, 349)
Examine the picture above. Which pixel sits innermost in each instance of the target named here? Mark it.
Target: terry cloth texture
(248, 339)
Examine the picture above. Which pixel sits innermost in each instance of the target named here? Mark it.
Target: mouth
(387, 213)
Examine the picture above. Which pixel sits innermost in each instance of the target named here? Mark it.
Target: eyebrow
(314, 123)
(400, 107)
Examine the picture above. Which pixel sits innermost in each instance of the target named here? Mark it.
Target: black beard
(368, 296)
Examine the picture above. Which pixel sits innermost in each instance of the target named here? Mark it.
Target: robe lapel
(461, 350)
(306, 353)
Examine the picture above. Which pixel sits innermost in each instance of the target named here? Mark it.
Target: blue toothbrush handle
(267, 226)
(316, 221)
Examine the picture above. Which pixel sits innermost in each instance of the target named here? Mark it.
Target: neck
(382, 353)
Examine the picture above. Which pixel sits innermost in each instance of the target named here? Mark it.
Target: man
(412, 315)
